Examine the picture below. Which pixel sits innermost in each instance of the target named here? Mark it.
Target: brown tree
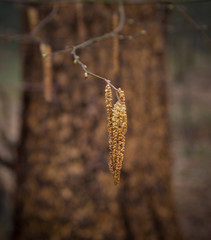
(65, 190)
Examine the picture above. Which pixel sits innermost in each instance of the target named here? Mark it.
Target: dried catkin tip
(47, 71)
(117, 127)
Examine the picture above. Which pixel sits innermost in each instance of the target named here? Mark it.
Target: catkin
(117, 127)
(47, 71)
(108, 97)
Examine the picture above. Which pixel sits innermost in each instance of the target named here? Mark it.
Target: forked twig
(31, 36)
(94, 40)
(46, 20)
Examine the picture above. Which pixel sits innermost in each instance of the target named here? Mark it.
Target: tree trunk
(65, 190)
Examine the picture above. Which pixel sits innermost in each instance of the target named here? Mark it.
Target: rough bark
(65, 190)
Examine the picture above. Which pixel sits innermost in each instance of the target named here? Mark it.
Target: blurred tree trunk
(65, 190)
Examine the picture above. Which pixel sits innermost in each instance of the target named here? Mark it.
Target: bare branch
(46, 20)
(97, 39)
(190, 20)
(31, 35)
(106, 35)
(18, 37)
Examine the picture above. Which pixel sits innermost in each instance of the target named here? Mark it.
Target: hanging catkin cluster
(117, 127)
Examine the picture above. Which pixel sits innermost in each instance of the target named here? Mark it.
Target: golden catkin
(123, 110)
(117, 127)
(108, 97)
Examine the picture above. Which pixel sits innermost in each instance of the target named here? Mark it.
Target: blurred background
(190, 111)
(189, 91)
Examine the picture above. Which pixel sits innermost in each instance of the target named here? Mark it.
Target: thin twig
(190, 20)
(46, 20)
(90, 73)
(106, 35)
(108, 82)
(19, 37)
(31, 35)
(94, 40)
(99, 38)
